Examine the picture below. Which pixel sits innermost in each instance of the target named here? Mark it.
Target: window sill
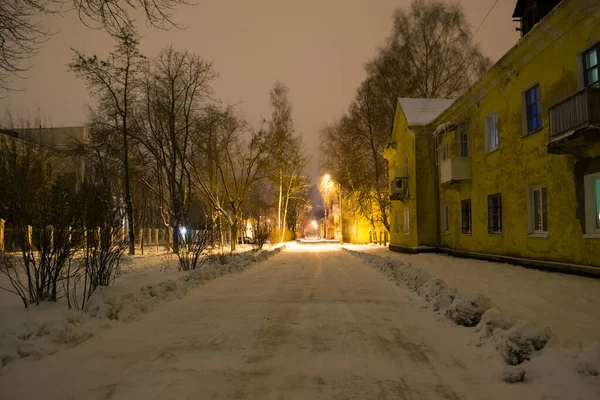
(538, 235)
(532, 132)
(466, 233)
(591, 236)
(496, 234)
(446, 233)
(406, 233)
(491, 151)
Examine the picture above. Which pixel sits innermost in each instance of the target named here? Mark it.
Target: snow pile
(494, 321)
(37, 338)
(588, 360)
(516, 341)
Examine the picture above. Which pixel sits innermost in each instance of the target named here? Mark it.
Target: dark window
(465, 208)
(534, 109)
(495, 213)
(464, 143)
(590, 66)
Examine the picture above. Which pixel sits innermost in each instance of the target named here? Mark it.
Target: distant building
(510, 170)
(53, 142)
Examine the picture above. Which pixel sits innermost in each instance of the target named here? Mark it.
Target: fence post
(2, 234)
(51, 231)
(30, 237)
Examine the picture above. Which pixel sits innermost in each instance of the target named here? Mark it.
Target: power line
(484, 19)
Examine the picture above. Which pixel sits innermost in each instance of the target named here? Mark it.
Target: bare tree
(22, 30)
(176, 91)
(114, 82)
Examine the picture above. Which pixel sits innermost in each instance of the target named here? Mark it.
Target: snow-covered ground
(313, 322)
(569, 305)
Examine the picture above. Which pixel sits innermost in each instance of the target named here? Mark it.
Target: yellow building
(509, 171)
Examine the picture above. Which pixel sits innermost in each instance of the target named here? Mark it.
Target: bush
(190, 250)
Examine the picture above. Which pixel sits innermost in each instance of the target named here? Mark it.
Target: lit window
(495, 214)
(590, 66)
(491, 132)
(539, 210)
(534, 109)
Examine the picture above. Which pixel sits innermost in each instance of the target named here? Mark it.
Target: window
(495, 214)
(406, 221)
(463, 143)
(396, 223)
(533, 108)
(405, 165)
(443, 152)
(445, 219)
(592, 204)
(590, 66)
(491, 132)
(538, 210)
(465, 210)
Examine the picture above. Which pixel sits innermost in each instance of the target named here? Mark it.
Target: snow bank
(38, 338)
(516, 341)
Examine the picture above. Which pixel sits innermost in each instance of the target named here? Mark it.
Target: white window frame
(591, 231)
(445, 223)
(396, 223)
(406, 221)
(461, 141)
(494, 116)
(531, 211)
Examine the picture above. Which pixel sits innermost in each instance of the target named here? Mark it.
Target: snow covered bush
(519, 342)
(467, 308)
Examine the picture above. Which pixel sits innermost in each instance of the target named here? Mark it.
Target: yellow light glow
(314, 224)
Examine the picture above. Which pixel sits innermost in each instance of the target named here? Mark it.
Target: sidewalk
(568, 304)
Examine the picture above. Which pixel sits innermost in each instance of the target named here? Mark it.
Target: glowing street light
(314, 224)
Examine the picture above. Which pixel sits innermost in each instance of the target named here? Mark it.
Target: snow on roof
(423, 111)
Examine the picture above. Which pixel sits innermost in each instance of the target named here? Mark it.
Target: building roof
(423, 111)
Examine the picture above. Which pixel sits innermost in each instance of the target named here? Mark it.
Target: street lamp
(326, 179)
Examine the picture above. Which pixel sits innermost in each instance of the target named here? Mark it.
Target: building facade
(511, 169)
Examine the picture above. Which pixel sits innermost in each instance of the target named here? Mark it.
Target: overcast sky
(316, 47)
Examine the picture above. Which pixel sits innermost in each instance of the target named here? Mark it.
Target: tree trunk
(128, 201)
(279, 226)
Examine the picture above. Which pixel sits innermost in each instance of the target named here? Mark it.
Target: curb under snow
(39, 339)
(516, 340)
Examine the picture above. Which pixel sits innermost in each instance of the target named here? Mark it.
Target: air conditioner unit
(399, 188)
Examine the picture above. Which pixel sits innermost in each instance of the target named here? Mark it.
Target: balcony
(455, 169)
(575, 121)
(399, 188)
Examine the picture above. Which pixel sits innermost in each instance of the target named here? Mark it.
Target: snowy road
(306, 324)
